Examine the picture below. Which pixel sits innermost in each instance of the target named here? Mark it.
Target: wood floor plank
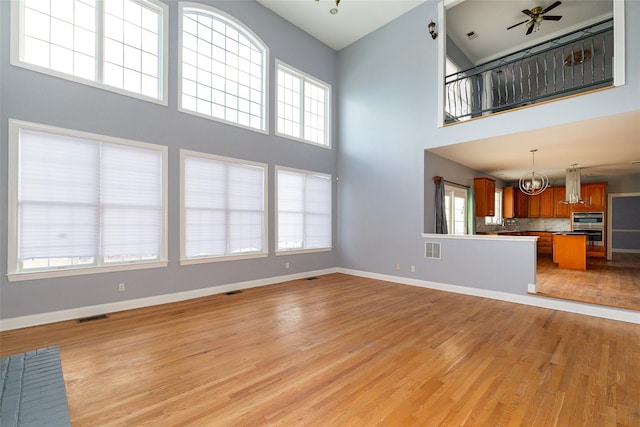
(344, 351)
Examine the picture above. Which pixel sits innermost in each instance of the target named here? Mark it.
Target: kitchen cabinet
(544, 245)
(485, 196)
(514, 203)
(560, 210)
(541, 205)
(595, 196)
(570, 251)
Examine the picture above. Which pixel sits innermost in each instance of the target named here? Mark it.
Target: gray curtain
(441, 215)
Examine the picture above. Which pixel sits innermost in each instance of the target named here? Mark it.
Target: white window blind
(303, 106)
(83, 202)
(304, 210)
(224, 207)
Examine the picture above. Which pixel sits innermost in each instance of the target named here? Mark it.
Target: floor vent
(432, 250)
(233, 292)
(311, 278)
(92, 318)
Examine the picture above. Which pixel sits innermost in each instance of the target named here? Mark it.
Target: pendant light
(533, 183)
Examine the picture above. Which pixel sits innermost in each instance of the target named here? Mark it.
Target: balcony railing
(573, 63)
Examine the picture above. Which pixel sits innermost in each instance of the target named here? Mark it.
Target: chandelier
(533, 183)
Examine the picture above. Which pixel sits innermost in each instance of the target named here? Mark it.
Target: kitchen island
(570, 250)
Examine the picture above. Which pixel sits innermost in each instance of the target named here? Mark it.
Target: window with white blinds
(80, 200)
(119, 45)
(304, 210)
(224, 208)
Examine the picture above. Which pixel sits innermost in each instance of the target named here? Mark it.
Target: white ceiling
(354, 20)
(602, 147)
(606, 146)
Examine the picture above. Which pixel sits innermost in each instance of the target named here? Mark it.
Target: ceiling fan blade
(515, 25)
(530, 30)
(529, 13)
(552, 17)
(554, 5)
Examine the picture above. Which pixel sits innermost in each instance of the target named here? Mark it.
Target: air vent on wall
(432, 250)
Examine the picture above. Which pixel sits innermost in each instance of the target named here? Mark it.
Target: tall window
(224, 207)
(116, 44)
(497, 218)
(455, 200)
(303, 106)
(83, 200)
(223, 68)
(304, 210)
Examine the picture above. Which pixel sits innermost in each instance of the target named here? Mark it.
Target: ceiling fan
(536, 16)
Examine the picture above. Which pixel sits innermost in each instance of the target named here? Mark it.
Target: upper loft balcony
(509, 55)
(574, 63)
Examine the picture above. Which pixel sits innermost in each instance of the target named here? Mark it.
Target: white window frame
(281, 66)
(17, 48)
(497, 218)
(184, 260)
(13, 272)
(454, 192)
(277, 238)
(246, 32)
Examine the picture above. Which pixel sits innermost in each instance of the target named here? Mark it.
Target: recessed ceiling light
(333, 11)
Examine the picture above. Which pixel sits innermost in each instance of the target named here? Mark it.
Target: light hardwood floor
(345, 351)
(614, 283)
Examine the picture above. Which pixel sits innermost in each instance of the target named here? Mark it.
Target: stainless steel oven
(591, 224)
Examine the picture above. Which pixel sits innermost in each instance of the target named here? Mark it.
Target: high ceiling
(354, 20)
(602, 147)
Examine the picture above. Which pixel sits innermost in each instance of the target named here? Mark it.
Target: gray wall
(388, 109)
(35, 97)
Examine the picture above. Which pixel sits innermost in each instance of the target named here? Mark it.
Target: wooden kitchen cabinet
(514, 203)
(541, 205)
(485, 196)
(522, 204)
(595, 195)
(544, 245)
(560, 210)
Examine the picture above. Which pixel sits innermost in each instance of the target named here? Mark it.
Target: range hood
(573, 187)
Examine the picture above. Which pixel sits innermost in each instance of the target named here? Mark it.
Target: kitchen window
(302, 107)
(118, 45)
(497, 218)
(223, 68)
(455, 200)
(304, 210)
(224, 213)
(83, 203)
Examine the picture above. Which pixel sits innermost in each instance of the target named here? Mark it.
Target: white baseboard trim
(94, 310)
(630, 316)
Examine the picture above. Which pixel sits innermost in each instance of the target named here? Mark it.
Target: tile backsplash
(526, 224)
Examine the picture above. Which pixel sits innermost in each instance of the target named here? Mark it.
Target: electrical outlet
(397, 266)
(121, 287)
(413, 268)
(286, 265)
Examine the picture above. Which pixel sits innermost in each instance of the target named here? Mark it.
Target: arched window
(223, 68)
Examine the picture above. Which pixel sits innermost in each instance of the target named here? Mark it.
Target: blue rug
(32, 389)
